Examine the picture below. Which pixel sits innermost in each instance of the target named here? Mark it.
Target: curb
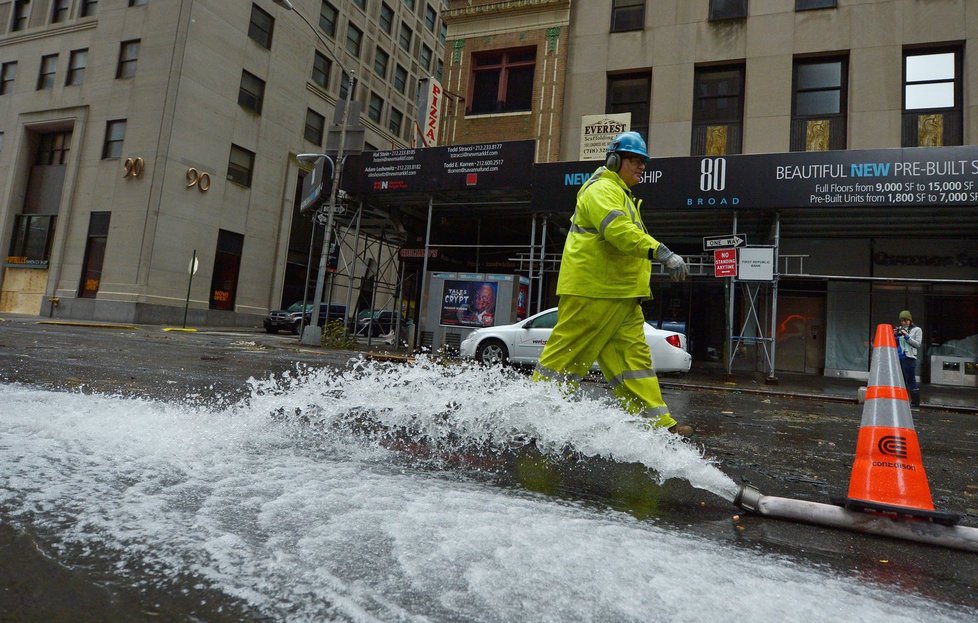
(93, 325)
(805, 395)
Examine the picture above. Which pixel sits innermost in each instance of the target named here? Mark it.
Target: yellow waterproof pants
(609, 331)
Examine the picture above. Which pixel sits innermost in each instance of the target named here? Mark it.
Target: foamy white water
(309, 525)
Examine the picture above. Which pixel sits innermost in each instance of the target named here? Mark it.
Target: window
(88, 8)
(8, 71)
(409, 4)
(804, 5)
(327, 18)
(32, 238)
(425, 57)
(381, 60)
(386, 18)
(115, 134)
(405, 37)
(502, 81)
(59, 10)
(1, 141)
(260, 27)
(631, 93)
(315, 126)
(932, 106)
(227, 267)
(627, 15)
(400, 79)
(53, 149)
(45, 77)
(727, 9)
(430, 17)
(321, 67)
(128, 56)
(439, 69)
(22, 14)
(375, 107)
(344, 85)
(443, 33)
(818, 120)
(251, 93)
(77, 63)
(718, 110)
(361, 3)
(98, 235)
(241, 164)
(396, 122)
(138, 2)
(354, 37)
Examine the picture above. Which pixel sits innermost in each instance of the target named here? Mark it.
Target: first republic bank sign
(943, 176)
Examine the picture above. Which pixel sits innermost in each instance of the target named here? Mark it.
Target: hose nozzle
(748, 497)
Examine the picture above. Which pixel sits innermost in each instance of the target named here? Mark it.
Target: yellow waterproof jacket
(606, 254)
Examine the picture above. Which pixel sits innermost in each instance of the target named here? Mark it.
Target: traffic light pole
(312, 334)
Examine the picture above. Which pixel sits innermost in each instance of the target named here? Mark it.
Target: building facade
(877, 91)
(718, 80)
(139, 135)
(505, 72)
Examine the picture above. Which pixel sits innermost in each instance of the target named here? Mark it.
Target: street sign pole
(311, 334)
(190, 282)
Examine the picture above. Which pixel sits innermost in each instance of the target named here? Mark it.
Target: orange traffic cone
(888, 473)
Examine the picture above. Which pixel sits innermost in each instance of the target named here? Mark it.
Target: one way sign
(724, 242)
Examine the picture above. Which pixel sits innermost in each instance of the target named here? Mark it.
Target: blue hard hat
(629, 143)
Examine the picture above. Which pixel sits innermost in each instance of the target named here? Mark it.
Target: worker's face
(631, 170)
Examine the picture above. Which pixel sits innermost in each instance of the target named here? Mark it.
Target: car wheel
(270, 330)
(295, 328)
(492, 353)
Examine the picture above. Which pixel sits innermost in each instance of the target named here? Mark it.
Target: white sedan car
(522, 343)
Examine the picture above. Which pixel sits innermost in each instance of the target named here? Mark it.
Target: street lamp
(312, 334)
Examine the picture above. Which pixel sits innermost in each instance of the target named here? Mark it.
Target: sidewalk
(814, 387)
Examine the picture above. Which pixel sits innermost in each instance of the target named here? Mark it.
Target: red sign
(725, 262)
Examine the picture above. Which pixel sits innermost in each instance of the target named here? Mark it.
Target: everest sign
(725, 262)
(429, 110)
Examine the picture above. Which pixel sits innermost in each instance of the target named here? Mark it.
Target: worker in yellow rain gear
(605, 272)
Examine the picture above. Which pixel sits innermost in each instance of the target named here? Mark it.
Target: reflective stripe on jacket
(606, 254)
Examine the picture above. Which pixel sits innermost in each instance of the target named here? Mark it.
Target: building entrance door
(801, 334)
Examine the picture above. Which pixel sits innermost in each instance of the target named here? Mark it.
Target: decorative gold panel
(930, 130)
(817, 135)
(716, 140)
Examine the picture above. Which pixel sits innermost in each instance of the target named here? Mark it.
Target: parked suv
(291, 319)
(376, 322)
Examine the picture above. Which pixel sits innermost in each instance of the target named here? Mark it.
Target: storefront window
(227, 264)
(31, 242)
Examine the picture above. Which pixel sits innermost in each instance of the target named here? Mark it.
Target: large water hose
(750, 499)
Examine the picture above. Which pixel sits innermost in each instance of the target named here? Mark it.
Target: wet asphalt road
(786, 447)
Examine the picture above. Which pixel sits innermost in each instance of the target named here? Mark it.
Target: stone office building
(816, 82)
(136, 135)
(831, 85)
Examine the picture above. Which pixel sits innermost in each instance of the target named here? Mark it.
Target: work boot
(683, 430)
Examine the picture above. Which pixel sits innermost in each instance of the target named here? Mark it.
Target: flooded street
(425, 492)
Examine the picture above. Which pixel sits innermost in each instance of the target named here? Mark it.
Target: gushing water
(492, 409)
(274, 501)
